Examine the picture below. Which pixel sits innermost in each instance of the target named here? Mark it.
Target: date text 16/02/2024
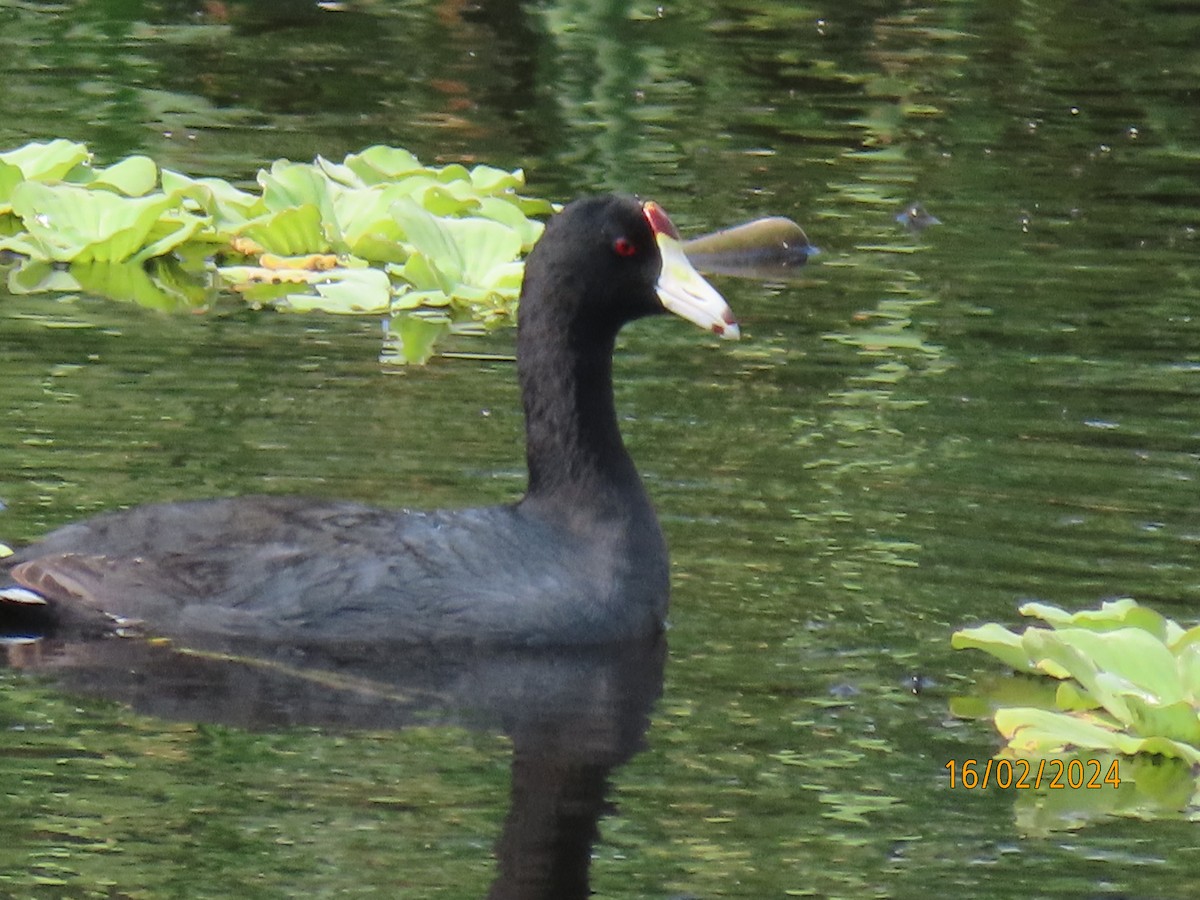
(1055, 774)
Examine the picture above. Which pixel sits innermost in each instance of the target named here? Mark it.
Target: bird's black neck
(574, 449)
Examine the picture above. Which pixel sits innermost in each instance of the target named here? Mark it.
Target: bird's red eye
(624, 247)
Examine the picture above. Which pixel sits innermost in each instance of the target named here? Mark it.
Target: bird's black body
(580, 559)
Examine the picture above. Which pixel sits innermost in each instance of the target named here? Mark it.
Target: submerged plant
(378, 233)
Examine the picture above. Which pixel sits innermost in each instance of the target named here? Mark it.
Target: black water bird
(915, 218)
(580, 559)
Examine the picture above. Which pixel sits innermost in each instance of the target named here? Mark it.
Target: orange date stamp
(1025, 774)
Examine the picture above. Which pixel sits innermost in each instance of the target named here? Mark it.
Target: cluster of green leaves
(1129, 681)
(378, 233)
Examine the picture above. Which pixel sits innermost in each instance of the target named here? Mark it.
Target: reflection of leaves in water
(856, 808)
(862, 432)
(295, 797)
(889, 328)
(1151, 787)
(831, 758)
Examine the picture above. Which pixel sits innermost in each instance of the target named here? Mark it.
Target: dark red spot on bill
(660, 223)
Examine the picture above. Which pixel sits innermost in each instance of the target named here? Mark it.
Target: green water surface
(918, 434)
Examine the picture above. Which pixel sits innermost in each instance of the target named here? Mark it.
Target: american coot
(580, 559)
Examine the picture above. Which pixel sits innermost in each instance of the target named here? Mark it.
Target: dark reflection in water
(572, 715)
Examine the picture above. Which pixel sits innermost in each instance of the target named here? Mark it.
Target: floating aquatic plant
(378, 233)
(1129, 681)
(431, 249)
(1124, 699)
(1114, 690)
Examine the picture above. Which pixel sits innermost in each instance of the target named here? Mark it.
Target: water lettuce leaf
(134, 176)
(1150, 787)
(1130, 681)
(468, 251)
(1043, 733)
(10, 177)
(405, 235)
(73, 224)
(1112, 614)
(49, 161)
(365, 223)
(291, 231)
(379, 164)
(998, 641)
(227, 205)
(347, 291)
